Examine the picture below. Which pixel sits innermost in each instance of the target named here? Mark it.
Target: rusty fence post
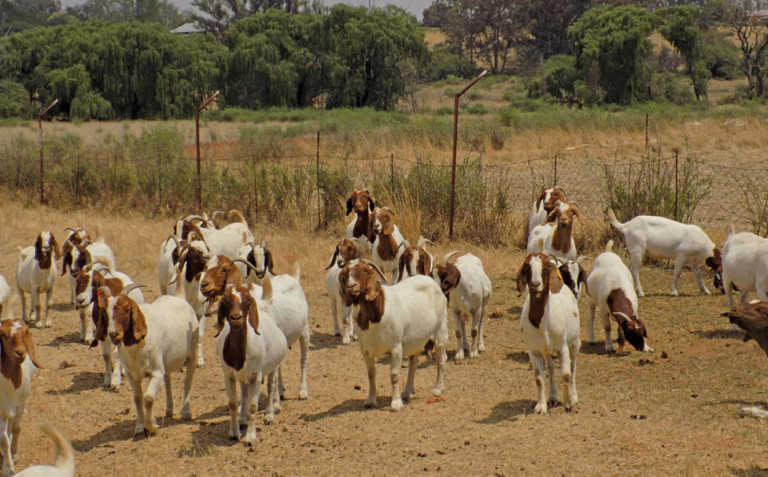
(317, 169)
(677, 154)
(199, 189)
(455, 140)
(40, 126)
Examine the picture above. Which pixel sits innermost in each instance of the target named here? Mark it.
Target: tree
(158, 11)
(615, 39)
(550, 20)
(19, 15)
(219, 15)
(488, 29)
(434, 15)
(680, 26)
(753, 42)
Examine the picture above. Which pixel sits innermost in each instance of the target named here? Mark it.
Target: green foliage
(444, 61)
(721, 56)
(680, 26)
(648, 188)
(669, 87)
(15, 103)
(614, 38)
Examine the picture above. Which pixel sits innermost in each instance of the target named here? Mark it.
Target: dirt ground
(673, 411)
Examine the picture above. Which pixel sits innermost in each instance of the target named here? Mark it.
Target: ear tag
(559, 274)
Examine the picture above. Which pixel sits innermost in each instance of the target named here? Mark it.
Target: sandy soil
(675, 411)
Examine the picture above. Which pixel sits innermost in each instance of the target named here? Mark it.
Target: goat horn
(129, 288)
(376, 267)
(390, 210)
(623, 315)
(245, 262)
(449, 255)
(71, 229)
(200, 234)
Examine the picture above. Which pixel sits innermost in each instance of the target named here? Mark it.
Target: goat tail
(297, 271)
(614, 221)
(266, 287)
(609, 246)
(65, 454)
(238, 215)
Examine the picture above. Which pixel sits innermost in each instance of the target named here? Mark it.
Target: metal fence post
(455, 140)
(317, 169)
(392, 173)
(40, 126)
(677, 153)
(199, 191)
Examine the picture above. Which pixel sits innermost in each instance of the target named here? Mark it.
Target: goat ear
(371, 203)
(38, 245)
(56, 249)
(578, 213)
(555, 279)
(350, 203)
(139, 323)
(372, 288)
(333, 259)
(522, 277)
(343, 288)
(253, 316)
(27, 339)
(268, 261)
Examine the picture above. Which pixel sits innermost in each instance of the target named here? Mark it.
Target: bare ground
(675, 411)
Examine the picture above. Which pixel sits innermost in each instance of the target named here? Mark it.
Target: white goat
(389, 244)
(468, 290)
(36, 273)
(550, 327)
(65, 458)
(225, 241)
(68, 255)
(154, 340)
(17, 352)
(89, 281)
(166, 265)
(662, 237)
(612, 296)
(346, 251)
(191, 266)
(250, 346)
(556, 235)
(743, 264)
(541, 209)
(406, 320)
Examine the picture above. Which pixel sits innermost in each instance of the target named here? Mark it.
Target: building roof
(187, 29)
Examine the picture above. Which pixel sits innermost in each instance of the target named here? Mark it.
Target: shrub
(671, 87)
(444, 63)
(15, 103)
(721, 57)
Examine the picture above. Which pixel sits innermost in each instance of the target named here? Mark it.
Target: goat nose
(20, 353)
(113, 334)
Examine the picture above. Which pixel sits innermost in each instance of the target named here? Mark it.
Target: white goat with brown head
(556, 236)
(361, 229)
(36, 273)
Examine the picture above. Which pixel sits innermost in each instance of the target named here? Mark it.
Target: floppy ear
(268, 261)
(522, 277)
(56, 249)
(27, 339)
(371, 203)
(555, 280)
(253, 316)
(139, 323)
(343, 289)
(350, 203)
(333, 259)
(38, 246)
(221, 316)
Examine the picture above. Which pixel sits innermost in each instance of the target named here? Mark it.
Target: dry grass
(641, 414)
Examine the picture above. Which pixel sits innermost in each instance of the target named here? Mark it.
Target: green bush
(671, 87)
(15, 103)
(444, 63)
(721, 57)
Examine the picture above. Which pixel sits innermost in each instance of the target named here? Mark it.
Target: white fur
(745, 264)
(415, 312)
(662, 237)
(32, 279)
(12, 402)
(608, 274)
(389, 266)
(227, 240)
(166, 271)
(470, 298)
(337, 305)
(263, 355)
(190, 290)
(545, 233)
(557, 334)
(65, 458)
(538, 214)
(170, 344)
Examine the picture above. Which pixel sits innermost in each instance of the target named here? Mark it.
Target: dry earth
(675, 411)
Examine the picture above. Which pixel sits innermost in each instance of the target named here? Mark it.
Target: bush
(444, 63)
(721, 57)
(672, 88)
(15, 103)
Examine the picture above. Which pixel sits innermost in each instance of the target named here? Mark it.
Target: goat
(361, 229)
(659, 236)
(289, 303)
(416, 260)
(89, 282)
(191, 265)
(250, 345)
(166, 265)
(612, 296)
(743, 264)
(405, 319)
(225, 241)
(19, 363)
(68, 255)
(752, 317)
(555, 237)
(550, 326)
(345, 252)
(468, 290)
(65, 458)
(544, 205)
(389, 243)
(154, 340)
(36, 273)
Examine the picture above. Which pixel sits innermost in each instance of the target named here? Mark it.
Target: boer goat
(389, 244)
(662, 237)
(544, 205)
(346, 251)
(550, 326)
(555, 238)
(361, 229)
(743, 265)
(36, 273)
(406, 320)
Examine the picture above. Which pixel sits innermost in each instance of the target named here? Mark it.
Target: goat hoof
(568, 409)
(673, 293)
(233, 438)
(269, 419)
(370, 402)
(345, 340)
(150, 432)
(437, 392)
(114, 388)
(336, 333)
(397, 404)
(540, 408)
(303, 394)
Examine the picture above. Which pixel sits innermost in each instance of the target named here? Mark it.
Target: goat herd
(397, 303)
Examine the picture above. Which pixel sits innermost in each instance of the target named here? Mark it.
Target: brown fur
(99, 311)
(551, 282)
(361, 201)
(367, 294)
(130, 323)
(449, 276)
(753, 319)
(44, 258)
(634, 329)
(557, 194)
(195, 263)
(233, 310)
(388, 246)
(423, 262)
(15, 348)
(73, 239)
(217, 278)
(345, 249)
